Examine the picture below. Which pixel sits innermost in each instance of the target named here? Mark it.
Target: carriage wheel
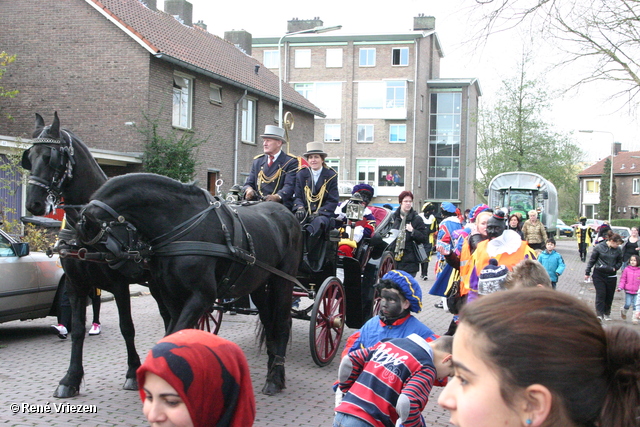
(211, 320)
(387, 263)
(327, 321)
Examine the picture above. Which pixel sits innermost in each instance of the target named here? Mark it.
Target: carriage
(337, 292)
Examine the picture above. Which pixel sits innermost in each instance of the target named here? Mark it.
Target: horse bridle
(62, 161)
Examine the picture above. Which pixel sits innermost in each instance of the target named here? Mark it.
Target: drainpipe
(236, 146)
(415, 107)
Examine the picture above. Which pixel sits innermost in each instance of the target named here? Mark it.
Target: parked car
(29, 281)
(624, 232)
(564, 229)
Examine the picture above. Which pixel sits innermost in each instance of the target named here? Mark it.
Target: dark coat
(605, 260)
(420, 234)
(284, 187)
(331, 198)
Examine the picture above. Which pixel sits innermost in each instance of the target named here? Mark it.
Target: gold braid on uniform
(264, 179)
(318, 197)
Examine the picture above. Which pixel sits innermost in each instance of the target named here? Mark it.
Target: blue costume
(319, 200)
(279, 178)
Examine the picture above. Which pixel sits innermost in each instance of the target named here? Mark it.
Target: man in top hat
(273, 173)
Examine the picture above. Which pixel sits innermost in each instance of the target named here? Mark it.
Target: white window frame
(368, 133)
(248, 127)
(271, 58)
(334, 58)
(596, 186)
(215, 94)
(403, 60)
(397, 128)
(332, 132)
(302, 58)
(372, 168)
(325, 95)
(333, 164)
(386, 99)
(636, 186)
(182, 100)
(370, 57)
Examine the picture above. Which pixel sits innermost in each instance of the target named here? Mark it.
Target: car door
(19, 283)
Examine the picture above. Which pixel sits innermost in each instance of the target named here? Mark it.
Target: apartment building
(391, 119)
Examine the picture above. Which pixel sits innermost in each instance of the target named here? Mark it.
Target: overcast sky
(456, 24)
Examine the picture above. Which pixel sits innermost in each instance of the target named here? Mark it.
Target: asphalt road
(33, 360)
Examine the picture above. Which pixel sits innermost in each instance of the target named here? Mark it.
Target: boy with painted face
(400, 295)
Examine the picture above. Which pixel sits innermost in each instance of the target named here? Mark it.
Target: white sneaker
(95, 329)
(61, 330)
(607, 317)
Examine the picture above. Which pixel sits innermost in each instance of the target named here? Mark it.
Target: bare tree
(601, 37)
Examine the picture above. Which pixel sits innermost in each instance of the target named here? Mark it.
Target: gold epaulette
(258, 156)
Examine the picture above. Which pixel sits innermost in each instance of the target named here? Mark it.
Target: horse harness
(121, 239)
(61, 161)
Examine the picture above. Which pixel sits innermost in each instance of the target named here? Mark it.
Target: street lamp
(613, 139)
(315, 30)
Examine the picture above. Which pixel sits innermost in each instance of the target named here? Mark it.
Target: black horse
(62, 167)
(202, 249)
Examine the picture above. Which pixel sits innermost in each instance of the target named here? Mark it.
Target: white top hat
(315, 148)
(273, 132)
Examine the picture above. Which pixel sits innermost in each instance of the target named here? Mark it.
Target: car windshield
(561, 222)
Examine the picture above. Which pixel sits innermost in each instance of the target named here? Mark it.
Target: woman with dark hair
(605, 260)
(412, 232)
(540, 358)
(514, 224)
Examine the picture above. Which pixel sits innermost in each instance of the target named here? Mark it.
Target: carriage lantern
(355, 208)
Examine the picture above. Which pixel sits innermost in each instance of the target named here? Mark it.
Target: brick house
(626, 176)
(105, 64)
(391, 120)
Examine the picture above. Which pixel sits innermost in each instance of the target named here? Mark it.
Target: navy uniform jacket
(278, 179)
(331, 197)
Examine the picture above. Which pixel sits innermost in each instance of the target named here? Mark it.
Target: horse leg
(162, 307)
(274, 306)
(123, 302)
(194, 309)
(69, 385)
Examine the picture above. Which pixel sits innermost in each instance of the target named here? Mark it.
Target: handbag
(421, 252)
(454, 299)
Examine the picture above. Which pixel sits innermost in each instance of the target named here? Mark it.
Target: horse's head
(50, 161)
(103, 231)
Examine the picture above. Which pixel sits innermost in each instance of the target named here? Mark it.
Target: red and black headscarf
(209, 373)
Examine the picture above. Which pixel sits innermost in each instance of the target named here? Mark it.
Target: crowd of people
(518, 352)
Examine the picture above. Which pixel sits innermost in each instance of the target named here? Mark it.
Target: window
(382, 100)
(636, 185)
(325, 95)
(400, 56)
(381, 172)
(302, 58)
(249, 120)
(397, 133)
(365, 133)
(215, 94)
(182, 99)
(367, 57)
(593, 186)
(332, 132)
(271, 58)
(334, 58)
(444, 145)
(333, 164)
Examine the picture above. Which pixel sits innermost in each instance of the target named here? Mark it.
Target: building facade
(113, 67)
(391, 120)
(626, 178)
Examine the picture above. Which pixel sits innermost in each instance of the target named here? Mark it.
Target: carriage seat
(380, 214)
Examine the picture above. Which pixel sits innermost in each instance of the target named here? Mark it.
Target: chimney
(241, 38)
(151, 4)
(200, 24)
(296, 24)
(182, 8)
(424, 23)
(617, 148)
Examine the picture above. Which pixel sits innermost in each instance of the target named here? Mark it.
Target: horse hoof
(130, 384)
(65, 391)
(271, 389)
